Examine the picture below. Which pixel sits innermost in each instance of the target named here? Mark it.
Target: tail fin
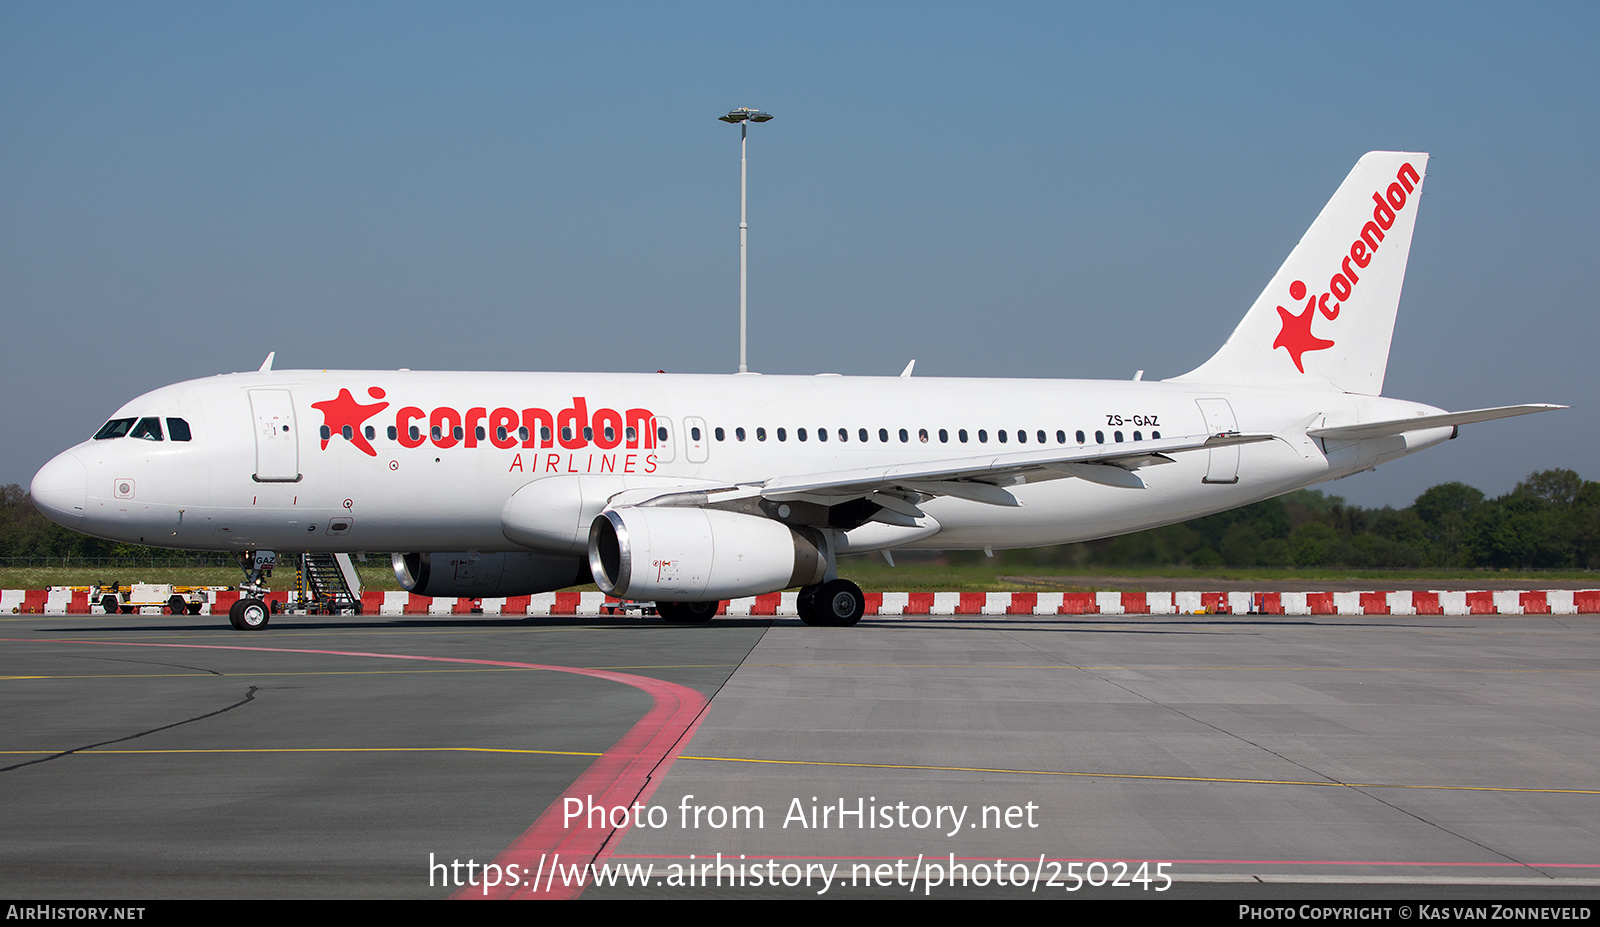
(1343, 279)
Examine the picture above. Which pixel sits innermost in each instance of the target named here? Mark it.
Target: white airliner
(686, 490)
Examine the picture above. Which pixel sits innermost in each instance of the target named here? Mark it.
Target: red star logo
(344, 412)
(1296, 337)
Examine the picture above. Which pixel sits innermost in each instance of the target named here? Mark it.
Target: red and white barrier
(913, 605)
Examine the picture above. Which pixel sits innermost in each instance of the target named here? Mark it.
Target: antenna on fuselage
(267, 364)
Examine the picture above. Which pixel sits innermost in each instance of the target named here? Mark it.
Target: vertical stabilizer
(1326, 319)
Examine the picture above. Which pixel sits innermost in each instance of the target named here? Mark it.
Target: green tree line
(1551, 520)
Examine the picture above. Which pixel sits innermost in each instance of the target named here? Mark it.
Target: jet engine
(683, 554)
(475, 575)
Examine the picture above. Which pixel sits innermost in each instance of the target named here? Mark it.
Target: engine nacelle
(475, 575)
(553, 514)
(682, 554)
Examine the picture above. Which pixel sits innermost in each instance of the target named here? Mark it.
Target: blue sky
(996, 190)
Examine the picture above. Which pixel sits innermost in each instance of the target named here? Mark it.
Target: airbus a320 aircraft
(686, 490)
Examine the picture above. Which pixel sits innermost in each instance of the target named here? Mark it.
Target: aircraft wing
(1417, 423)
(980, 478)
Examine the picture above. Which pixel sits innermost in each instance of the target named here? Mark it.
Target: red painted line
(628, 772)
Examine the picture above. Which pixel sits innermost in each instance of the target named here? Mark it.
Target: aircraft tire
(687, 612)
(805, 604)
(249, 614)
(839, 604)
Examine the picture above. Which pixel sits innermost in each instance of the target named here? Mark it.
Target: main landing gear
(687, 612)
(837, 603)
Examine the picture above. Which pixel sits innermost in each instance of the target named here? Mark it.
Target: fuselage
(426, 461)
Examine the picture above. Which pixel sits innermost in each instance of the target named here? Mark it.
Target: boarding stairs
(329, 584)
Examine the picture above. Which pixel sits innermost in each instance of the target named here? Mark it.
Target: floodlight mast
(742, 116)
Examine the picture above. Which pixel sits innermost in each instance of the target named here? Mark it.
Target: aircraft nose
(61, 490)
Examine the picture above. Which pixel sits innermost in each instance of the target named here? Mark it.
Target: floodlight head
(745, 114)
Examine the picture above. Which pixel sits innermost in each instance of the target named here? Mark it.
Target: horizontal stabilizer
(1417, 423)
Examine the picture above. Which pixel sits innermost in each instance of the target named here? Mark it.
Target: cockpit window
(148, 429)
(177, 429)
(116, 428)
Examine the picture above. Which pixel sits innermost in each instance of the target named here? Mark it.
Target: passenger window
(922, 435)
(1022, 436)
(1099, 437)
(544, 434)
(661, 434)
(177, 429)
(1040, 436)
(1117, 435)
(633, 435)
(761, 434)
(739, 433)
(459, 433)
(822, 434)
(801, 434)
(944, 436)
(500, 433)
(1079, 436)
(983, 436)
(962, 434)
(394, 433)
(346, 432)
(416, 433)
(1155, 436)
(326, 432)
(862, 434)
(116, 428)
(694, 433)
(903, 436)
(721, 435)
(783, 435)
(1001, 434)
(1136, 436)
(522, 433)
(369, 430)
(1061, 437)
(148, 429)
